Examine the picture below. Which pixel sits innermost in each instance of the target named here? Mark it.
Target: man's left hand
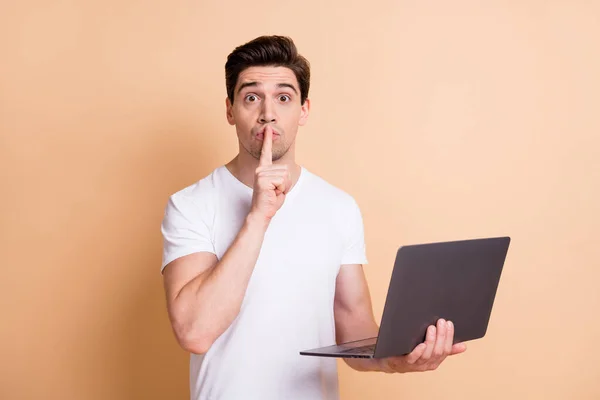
(428, 355)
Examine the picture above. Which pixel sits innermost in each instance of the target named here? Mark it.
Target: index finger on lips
(266, 154)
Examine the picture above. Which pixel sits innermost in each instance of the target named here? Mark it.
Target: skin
(204, 295)
(266, 96)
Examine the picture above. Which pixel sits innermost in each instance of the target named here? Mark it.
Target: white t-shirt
(288, 305)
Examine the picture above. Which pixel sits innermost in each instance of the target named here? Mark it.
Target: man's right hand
(271, 182)
(205, 294)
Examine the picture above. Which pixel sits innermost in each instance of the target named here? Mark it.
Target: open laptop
(455, 280)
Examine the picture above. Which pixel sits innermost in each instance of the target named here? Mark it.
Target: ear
(304, 110)
(229, 110)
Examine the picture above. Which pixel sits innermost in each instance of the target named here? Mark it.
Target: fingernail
(450, 325)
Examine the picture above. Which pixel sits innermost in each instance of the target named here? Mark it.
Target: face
(267, 96)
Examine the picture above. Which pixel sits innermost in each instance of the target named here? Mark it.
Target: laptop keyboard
(369, 349)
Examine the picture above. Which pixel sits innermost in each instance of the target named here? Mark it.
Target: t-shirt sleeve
(354, 247)
(185, 229)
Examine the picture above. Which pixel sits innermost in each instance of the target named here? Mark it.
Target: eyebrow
(256, 84)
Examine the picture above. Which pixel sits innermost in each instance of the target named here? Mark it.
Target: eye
(284, 98)
(251, 98)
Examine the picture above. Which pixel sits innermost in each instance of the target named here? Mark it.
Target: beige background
(445, 120)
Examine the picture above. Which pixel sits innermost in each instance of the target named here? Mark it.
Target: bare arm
(204, 295)
(354, 320)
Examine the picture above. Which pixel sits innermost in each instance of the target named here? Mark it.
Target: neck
(243, 166)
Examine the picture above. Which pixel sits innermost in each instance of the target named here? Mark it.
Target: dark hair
(276, 51)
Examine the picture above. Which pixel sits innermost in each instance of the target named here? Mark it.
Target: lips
(261, 134)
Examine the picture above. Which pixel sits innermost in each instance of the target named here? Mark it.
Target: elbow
(194, 345)
(192, 340)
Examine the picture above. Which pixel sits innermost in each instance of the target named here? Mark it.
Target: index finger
(266, 154)
(417, 352)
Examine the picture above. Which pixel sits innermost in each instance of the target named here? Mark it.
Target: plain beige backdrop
(445, 120)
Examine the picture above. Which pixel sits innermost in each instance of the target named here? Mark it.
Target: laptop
(454, 280)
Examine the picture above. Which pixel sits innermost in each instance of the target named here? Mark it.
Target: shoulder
(199, 195)
(330, 195)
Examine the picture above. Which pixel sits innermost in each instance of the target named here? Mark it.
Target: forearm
(364, 364)
(213, 300)
(362, 330)
(356, 326)
(354, 319)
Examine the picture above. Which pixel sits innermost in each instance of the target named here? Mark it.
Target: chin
(276, 156)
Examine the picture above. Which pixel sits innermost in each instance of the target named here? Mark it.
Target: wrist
(257, 221)
(383, 365)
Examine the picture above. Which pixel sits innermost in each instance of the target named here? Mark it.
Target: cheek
(244, 130)
(246, 116)
(290, 116)
(241, 116)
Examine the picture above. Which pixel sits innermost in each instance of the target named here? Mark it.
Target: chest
(300, 255)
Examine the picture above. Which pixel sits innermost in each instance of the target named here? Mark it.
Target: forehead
(267, 76)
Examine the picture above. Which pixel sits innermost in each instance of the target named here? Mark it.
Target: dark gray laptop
(456, 281)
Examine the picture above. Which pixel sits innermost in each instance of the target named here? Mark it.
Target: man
(263, 259)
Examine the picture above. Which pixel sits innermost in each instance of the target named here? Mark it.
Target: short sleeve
(185, 229)
(354, 238)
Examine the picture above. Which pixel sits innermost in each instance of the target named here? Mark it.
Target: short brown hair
(276, 51)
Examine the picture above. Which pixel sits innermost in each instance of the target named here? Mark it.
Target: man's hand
(271, 182)
(429, 355)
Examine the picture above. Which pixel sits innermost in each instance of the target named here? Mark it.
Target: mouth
(260, 135)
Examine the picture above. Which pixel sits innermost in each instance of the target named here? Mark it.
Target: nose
(267, 113)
